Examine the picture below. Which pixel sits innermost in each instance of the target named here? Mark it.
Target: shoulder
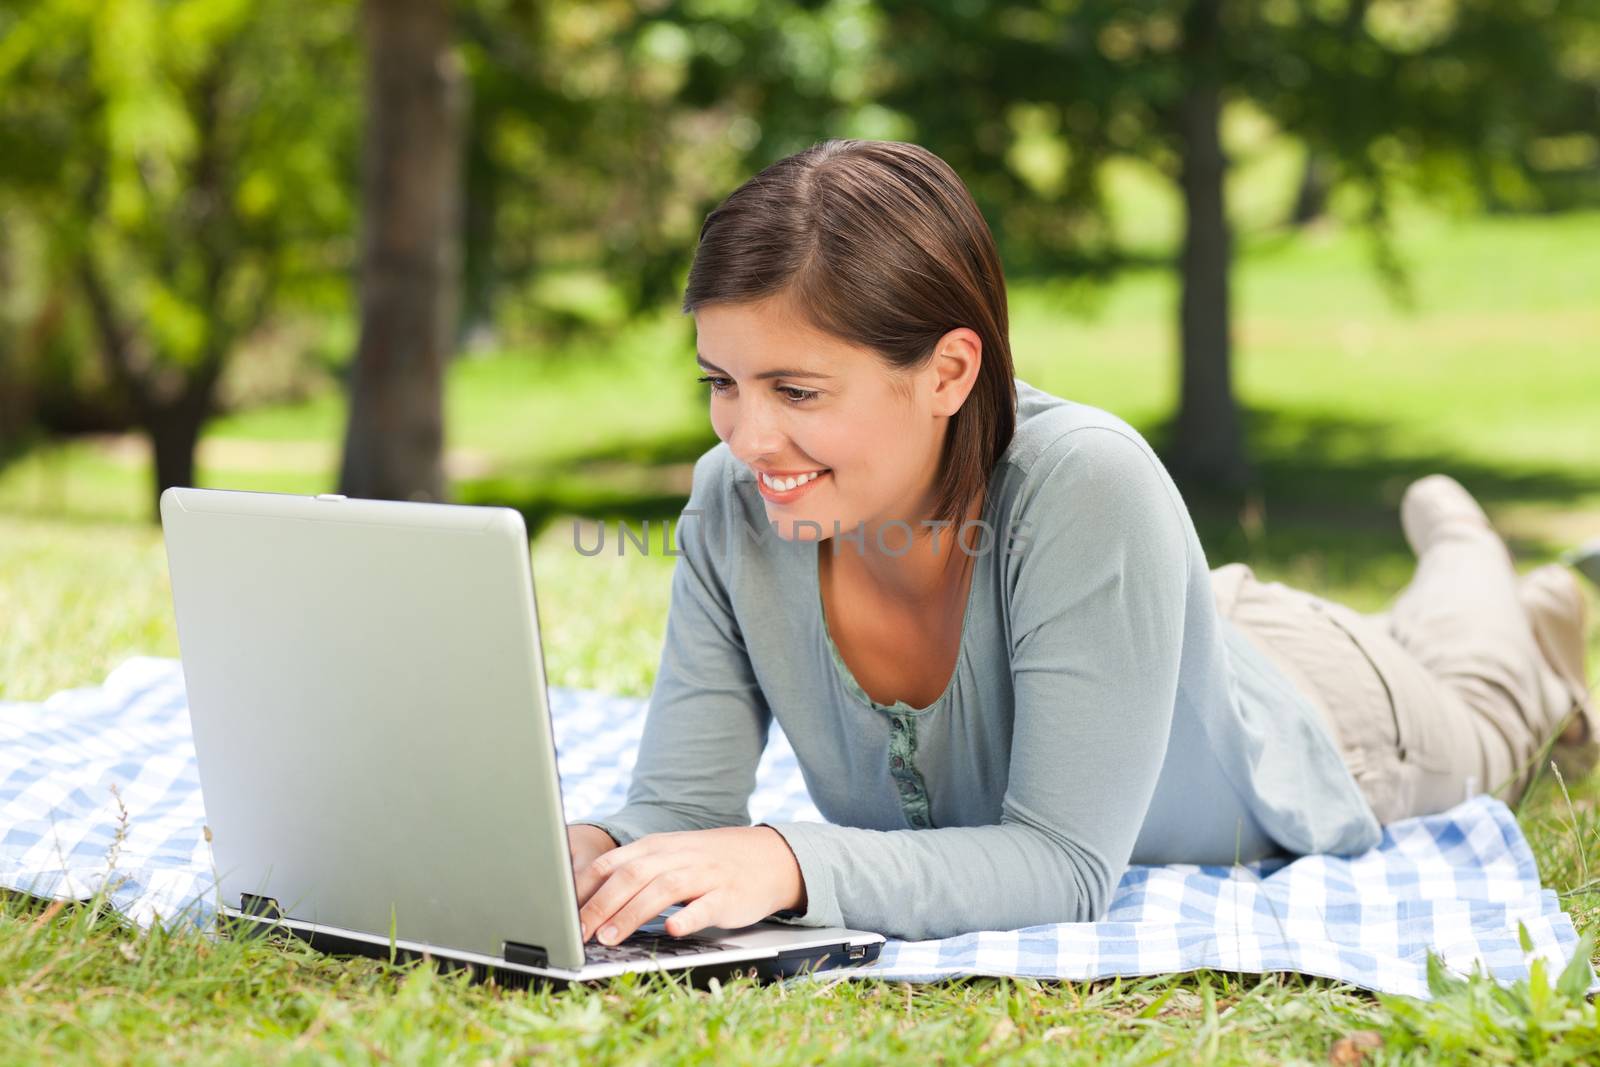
(723, 500)
(1092, 515)
(1090, 497)
(716, 489)
(712, 471)
(1062, 447)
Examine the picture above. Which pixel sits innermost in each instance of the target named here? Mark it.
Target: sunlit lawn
(1494, 376)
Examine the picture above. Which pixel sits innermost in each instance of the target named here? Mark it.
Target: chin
(799, 529)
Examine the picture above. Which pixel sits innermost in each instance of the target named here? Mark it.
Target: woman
(985, 623)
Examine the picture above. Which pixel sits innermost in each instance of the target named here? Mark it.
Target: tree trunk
(1316, 178)
(1311, 201)
(481, 184)
(1209, 445)
(15, 403)
(15, 399)
(394, 441)
(174, 434)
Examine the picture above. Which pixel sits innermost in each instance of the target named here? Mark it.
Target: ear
(957, 356)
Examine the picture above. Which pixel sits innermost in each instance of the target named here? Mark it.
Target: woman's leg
(1364, 685)
(1554, 603)
(1443, 696)
(1465, 619)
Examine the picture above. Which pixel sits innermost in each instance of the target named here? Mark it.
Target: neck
(927, 571)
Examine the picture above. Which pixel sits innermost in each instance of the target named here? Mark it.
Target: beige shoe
(1435, 503)
(1555, 607)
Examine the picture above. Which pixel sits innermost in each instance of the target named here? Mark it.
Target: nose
(756, 433)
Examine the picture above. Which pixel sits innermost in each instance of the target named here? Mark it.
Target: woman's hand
(729, 877)
(585, 842)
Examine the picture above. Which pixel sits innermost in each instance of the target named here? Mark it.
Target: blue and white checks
(1457, 883)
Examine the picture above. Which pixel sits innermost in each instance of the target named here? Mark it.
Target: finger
(611, 894)
(622, 885)
(697, 915)
(586, 880)
(598, 870)
(669, 887)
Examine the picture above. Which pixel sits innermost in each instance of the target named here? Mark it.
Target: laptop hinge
(265, 907)
(259, 908)
(527, 955)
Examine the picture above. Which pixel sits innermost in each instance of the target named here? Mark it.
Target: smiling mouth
(784, 490)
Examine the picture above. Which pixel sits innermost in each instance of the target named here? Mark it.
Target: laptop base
(514, 975)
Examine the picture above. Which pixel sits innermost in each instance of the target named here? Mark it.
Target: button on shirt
(1100, 711)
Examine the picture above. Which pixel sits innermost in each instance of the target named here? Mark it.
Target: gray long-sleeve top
(1100, 711)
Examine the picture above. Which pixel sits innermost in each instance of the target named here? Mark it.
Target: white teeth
(783, 485)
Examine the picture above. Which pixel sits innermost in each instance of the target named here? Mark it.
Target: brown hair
(881, 245)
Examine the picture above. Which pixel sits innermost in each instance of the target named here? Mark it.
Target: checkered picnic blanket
(87, 762)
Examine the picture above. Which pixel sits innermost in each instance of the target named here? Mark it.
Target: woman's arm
(707, 721)
(684, 835)
(1098, 599)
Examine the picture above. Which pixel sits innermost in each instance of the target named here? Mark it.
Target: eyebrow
(782, 372)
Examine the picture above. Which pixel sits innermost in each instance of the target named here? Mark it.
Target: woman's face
(861, 439)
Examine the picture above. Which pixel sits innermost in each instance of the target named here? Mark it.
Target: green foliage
(173, 179)
(1532, 1020)
(602, 133)
(203, 155)
(1494, 102)
(149, 124)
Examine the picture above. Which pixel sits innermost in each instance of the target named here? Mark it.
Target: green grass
(89, 991)
(1492, 377)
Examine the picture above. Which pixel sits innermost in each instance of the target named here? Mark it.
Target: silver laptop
(367, 691)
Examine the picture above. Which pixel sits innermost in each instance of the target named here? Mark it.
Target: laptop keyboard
(644, 945)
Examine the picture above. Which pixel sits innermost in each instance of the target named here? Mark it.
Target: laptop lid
(367, 692)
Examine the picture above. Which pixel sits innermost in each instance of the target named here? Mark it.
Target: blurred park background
(434, 250)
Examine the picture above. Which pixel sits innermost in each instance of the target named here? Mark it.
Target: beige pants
(1443, 697)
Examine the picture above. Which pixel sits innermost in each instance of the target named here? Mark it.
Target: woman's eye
(720, 386)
